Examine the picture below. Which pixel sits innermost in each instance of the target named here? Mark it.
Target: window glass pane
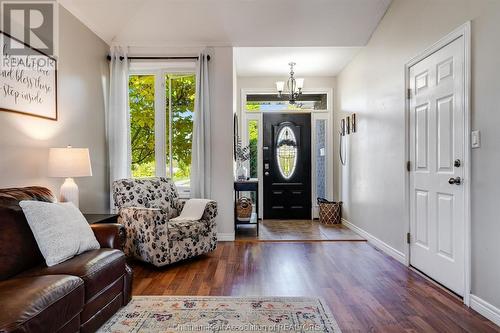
(142, 124)
(180, 98)
(253, 137)
(287, 152)
(271, 102)
(321, 158)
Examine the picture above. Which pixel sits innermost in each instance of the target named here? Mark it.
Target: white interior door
(437, 151)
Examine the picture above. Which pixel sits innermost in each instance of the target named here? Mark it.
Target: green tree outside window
(179, 107)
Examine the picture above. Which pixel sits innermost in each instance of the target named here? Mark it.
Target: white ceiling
(183, 23)
(310, 61)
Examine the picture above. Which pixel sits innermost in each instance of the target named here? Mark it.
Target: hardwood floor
(366, 290)
(296, 230)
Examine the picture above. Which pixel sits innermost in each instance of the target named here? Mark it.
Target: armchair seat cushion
(47, 304)
(98, 269)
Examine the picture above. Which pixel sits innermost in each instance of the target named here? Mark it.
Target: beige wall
(24, 140)
(372, 85)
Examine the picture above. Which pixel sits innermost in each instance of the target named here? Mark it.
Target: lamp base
(69, 192)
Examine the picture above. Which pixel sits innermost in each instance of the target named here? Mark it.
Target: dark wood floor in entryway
(366, 290)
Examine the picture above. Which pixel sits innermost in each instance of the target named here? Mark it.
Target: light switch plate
(475, 139)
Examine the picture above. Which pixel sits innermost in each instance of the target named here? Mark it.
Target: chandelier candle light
(69, 163)
(293, 85)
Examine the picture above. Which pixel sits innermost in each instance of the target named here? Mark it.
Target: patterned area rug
(222, 314)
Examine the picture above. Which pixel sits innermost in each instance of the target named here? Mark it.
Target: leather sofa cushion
(98, 269)
(41, 303)
(18, 248)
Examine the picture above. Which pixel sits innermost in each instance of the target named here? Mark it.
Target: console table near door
(246, 186)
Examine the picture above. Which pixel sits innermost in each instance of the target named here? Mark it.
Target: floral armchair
(145, 207)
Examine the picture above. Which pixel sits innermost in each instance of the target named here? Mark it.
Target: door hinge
(408, 238)
(408, 93)
(408, 166)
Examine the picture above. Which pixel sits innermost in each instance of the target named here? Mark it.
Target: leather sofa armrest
(109, 235)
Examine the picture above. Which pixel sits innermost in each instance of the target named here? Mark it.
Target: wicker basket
(330, 212)
(244, 209)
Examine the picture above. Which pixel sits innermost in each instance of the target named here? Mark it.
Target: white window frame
(248, 115)
(160, 71)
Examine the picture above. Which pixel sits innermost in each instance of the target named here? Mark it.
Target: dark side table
(101, 218)
(246, 186)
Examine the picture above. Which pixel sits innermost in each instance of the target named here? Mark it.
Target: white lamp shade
(69, 162)
(280, 85)
(300, 83)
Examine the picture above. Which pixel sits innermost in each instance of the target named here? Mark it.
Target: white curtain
(117, 118)
(201, 154)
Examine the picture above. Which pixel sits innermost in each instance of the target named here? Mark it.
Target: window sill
(184, 192)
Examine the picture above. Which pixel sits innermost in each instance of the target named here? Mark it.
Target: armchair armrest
(147, 233)
(109, 235)
(179, 205)
(210, 211)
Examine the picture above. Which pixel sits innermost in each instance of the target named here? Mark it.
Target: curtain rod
(160, 58)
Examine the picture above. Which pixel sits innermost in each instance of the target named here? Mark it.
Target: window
(180, 94)
(287, 152)
(253, 138)
(161, 125)
(142, 124)
(271, 102)
(320, 155)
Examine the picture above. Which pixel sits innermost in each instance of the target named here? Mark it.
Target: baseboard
(486, 309)
(225, 237)
(381, 245)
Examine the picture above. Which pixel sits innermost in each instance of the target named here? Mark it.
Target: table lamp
(69, 163)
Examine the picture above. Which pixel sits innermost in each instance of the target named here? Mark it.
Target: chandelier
(294, 86)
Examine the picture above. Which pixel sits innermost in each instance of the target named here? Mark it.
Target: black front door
(287, 166)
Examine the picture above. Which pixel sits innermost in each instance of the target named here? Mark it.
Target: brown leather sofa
(78, 295)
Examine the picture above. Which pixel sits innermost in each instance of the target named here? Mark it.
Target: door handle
(455, 181)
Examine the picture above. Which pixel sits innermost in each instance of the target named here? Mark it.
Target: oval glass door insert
(286, 152)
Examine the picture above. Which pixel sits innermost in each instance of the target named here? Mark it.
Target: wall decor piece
(342, 127)
(348, 125)
(28, 84)
(353, 123)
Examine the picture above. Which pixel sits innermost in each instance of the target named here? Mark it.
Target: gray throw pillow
(60, 230)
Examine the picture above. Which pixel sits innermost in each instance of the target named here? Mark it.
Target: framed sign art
(28, 83)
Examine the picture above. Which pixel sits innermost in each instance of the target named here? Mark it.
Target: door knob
(457, 163)
(455, 181)
(266, 173)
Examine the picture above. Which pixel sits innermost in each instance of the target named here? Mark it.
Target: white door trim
(465, 32)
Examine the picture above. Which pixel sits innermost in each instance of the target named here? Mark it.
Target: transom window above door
(271, 102)
(161, 107)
